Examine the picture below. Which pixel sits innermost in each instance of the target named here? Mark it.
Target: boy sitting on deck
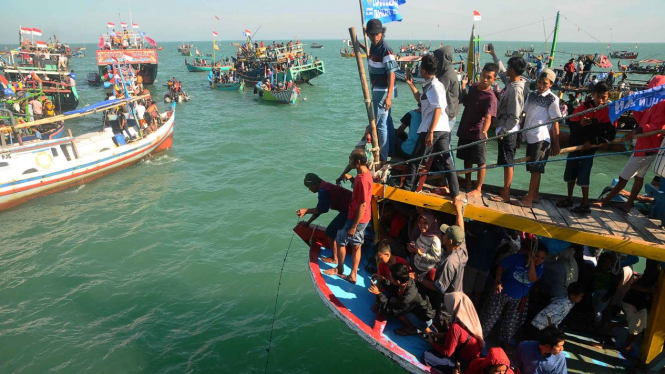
(480, 106)
(414, 311)
(590, 129)
(558, 309)
(540, 107)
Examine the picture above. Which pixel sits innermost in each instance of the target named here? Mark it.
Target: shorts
(474, 280)
(343, 238)
(336, 224)
(507, 146)
(475, 154)
(537, 152)
(578, 170)
(637, 319)
(637, 166)
(417, 322)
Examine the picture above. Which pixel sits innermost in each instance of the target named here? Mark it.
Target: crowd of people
(471, 288)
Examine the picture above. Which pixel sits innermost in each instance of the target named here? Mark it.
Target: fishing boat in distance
(128, 47)
(407, 68)
(30, 169)
(225, 79)
(347, 50)
(94, 79)
(316, 45)
(624, 55)
(200, 65)
(284, 96)
(184, 46)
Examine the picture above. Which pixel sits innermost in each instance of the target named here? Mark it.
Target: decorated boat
(624, 55)
(286, 96)
(30, 169)
(128, 47)
(199, 65)
(49, 67)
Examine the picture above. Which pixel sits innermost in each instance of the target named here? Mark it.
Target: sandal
(581, 209)
(565, 203)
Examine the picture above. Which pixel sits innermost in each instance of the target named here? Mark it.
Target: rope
(528, 163)
(515, 28)
(274, 313)
(500, 136)
(581, 29)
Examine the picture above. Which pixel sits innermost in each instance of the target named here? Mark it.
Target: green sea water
(172, 265)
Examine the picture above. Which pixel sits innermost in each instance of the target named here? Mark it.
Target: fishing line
(518, 27)
(274, 313)
(581, 29)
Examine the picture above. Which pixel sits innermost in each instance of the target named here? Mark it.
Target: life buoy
(44, 159)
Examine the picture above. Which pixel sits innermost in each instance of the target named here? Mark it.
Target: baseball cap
(312, 179)
(549, 74)
(454, 232)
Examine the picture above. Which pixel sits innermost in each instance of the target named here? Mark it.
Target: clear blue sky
(82, 21)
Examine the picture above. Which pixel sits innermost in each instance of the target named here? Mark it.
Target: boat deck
(608, 228)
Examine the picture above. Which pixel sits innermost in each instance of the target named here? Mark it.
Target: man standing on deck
(360, 213)
(382, 66)
(332, 197)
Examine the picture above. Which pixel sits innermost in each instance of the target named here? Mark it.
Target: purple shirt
(477, 105)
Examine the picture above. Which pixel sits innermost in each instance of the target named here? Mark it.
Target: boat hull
(399, 75)
(144, 62)
(84, 169)
(289, 96)
(239, 86)
(196, 69)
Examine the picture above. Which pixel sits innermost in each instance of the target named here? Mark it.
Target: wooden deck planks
(540, 214)
(553, 212)
(616, 223)
(644, 226)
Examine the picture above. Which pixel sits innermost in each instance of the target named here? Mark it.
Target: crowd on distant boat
(433, 268)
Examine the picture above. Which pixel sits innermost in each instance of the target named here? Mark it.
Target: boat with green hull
(235, 86)
(287, 96)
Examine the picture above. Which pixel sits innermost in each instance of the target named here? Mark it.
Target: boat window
(32, 170)
(54, 152)
(65, 152)
(3, 164)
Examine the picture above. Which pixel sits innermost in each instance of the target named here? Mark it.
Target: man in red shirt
(360, 213)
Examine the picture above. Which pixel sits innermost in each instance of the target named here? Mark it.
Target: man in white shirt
(434, 130)
(541, 106)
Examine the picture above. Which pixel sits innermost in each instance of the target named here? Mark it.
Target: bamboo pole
(366, 94)
(76, 152)
(571, 149)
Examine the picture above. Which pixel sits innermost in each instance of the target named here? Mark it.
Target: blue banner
(383, 10)
(638, 101)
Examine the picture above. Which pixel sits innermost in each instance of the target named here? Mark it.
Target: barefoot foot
(329, 260)
(331, 271)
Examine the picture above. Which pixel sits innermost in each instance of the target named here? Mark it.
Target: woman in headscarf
(426, 251)
(464, 340)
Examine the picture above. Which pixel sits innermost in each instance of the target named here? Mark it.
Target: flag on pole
(26, 30)
(37, 32)
(385, 11)
(214, 33)
(638, 101)
(215, 47)
(127, 57)
(476, 15)
(123, 25)
(110, 24)
(135, 25)
(151, 41)
(247, 33)
(101, 42)
(40, 44)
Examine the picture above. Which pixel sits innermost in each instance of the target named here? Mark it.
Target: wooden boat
(408, 63)
(299, 70)
(288, 96)
(184, 46)
(316, 45)
(511, 53)
(94, 79)
(144, 61)
(20, 64)
(345, 54)
(401, 76)
(63, 96)
(236, 86)
(624, 55)
(198, 67)
(351, 304)
(186, 52)
(38, 168)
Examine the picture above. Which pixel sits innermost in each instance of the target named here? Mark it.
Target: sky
(82, 21)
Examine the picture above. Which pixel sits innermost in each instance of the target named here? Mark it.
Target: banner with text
(136, 56)
(383, 10)
(638, 101)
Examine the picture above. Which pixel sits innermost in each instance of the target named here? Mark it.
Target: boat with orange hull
(36, 168)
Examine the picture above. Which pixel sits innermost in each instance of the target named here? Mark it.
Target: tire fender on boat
(44, 159)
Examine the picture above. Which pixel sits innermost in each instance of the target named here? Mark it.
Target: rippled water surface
(171, 266)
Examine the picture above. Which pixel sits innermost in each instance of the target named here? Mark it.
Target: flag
(217, 18)
(247, 33)
(123, 25)
(40, 44)
(385, 11)
(476, 15)
(638, 101)
(37, 32)
(150, 41)
(198, 52)
(26, 30)
(605, 62)
(110, 24)
(135, 25)
(127, 57)
(101, 42)
(215, 47)
(214, 33)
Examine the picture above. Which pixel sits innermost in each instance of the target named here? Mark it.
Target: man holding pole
(382, 67)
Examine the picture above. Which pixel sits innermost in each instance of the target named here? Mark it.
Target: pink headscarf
(461, 308)
(433, 228)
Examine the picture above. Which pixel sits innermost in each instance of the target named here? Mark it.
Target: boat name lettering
(5, 156)
(639, 101)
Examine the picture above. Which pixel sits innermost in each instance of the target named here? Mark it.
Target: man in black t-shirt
(638, 299)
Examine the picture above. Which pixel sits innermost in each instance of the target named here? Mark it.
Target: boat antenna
(253, 36)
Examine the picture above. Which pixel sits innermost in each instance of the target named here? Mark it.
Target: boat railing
(36, 60)
(122, 40)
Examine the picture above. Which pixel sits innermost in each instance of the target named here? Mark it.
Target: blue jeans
(385, 130)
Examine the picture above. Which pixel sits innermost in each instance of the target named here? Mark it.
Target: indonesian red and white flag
(37, 32)
(41, 44)
(476, 15)
(214, 33)
(248, 33)
(127, 57)
(123, 25)
(135, 25)
(26, 30)
(110, 24)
